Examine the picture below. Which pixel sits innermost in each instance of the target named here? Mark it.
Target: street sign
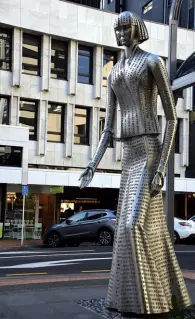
(25, 190)
(56, 189)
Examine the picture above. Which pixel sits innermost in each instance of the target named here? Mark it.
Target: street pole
(172, 68)
(22, 237)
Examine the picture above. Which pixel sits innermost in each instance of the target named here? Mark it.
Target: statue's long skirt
(145, 273)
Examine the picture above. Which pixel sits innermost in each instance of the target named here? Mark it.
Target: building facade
(155, 10)
(54, 62)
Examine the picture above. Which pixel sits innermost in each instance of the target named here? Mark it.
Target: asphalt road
(73, 260)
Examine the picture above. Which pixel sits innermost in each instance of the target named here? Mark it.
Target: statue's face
(125, 33)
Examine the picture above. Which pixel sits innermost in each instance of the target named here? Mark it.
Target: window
(177, 137)
(28, 117)
(4, 110)
(81, 126)
(101, 125)
(55, 124)
(10, 156)
(85, 64)
(78, 217)
(59, 60)
(94, 215)
(110, 59)
(5, 49)
(31, 54)
(147, 7)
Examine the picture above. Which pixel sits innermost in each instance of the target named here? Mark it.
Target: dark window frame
(111, 144)
(65, 66)
(87, 123)
(61, 134)
(36, 117)
(90, 55)
(9, 39)
(8, 98)
(114, 59)
(38, 67)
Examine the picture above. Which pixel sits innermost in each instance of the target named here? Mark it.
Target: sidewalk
(9, 244)
(60, 302)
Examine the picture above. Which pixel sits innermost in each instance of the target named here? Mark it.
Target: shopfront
(39, 212)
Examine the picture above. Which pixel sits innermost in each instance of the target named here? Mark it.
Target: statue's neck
(129, 51)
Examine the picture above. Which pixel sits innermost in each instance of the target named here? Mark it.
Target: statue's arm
(108, 128)
(161, 78)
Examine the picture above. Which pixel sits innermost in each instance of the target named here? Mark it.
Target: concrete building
(54, 60)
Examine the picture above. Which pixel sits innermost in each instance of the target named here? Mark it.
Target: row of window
(31, 58)
(55, 122)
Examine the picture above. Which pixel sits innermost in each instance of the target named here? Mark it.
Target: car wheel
(105, 237)
(54, 240)
(176, 238)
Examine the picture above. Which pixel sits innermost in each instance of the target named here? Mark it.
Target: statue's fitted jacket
(137, 93)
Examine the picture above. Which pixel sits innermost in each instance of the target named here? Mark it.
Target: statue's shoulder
(155, 61)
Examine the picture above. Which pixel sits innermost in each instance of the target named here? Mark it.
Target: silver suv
(90, 225)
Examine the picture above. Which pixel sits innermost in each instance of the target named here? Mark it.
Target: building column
(37, 209)
(184, 142)
(72, 67)
(42, 127)
(14, 111)
(69, 130)
(94, 130)
(25, 165)
(17, 57)
(98, 71)
(45, 62)
(188, 99)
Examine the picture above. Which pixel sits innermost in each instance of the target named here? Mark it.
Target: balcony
(90, 3)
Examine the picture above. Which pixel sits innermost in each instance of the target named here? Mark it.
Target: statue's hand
(157, 184)
(86, 177)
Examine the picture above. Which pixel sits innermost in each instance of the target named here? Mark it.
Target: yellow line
(27, 274)
(86, 271)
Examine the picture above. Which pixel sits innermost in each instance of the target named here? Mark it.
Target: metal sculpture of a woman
(145, 273)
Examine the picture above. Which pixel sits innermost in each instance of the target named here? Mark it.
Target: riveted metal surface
(145, 273)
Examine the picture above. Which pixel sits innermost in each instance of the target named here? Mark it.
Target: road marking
(53, 263)
(42, 252)
(64, 254)
(94, 271)
(185, 251)
(27, 274)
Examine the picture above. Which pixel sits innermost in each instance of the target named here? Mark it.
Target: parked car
(90, 225)
(183, 229)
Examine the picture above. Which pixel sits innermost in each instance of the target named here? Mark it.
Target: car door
(73, 225)
(93, 222)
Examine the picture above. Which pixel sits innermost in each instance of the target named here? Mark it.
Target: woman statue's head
(130, 28)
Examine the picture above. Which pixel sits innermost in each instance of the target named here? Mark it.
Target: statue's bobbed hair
(130, 18)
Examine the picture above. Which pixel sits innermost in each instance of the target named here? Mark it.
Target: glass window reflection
(59, 59)
(31, 54)
(4, 110)
(5, 49)
(81, 126)
(28, 117)
(110, 59)
(85, 64)
(55, 124)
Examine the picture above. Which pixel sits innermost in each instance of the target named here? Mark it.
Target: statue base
(98, 306)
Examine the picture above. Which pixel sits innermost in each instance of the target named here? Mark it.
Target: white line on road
(185, 251)
(49, 256)
(53, 263)
(42, 252)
